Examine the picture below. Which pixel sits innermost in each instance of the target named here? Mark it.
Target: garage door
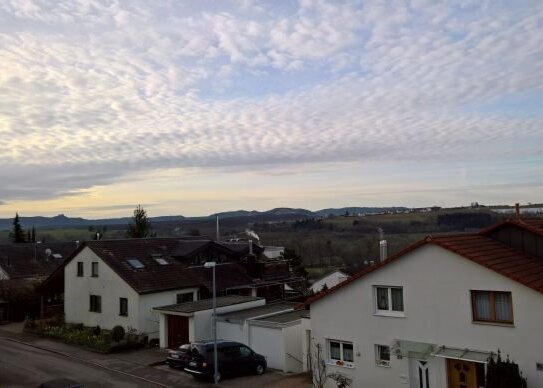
(178, 331)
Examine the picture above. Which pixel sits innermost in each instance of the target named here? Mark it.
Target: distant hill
(280, 213)
(358, 210)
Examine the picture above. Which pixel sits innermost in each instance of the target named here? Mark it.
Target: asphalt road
(25, 366)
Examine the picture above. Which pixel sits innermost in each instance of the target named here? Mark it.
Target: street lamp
(212, 264)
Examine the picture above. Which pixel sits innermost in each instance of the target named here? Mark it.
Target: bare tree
(317, 366)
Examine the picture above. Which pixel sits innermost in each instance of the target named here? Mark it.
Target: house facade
(120, 282)
(431, 315)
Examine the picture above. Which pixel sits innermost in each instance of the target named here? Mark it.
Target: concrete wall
(233, 331)
(436, 285)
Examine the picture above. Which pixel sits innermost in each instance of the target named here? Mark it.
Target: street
(25, 366)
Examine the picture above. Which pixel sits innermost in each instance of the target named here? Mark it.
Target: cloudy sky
(203, 106)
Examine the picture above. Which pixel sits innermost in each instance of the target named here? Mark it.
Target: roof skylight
(135, 263)
(161, 261)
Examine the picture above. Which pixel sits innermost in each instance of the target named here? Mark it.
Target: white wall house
(330, 280)
(431, 315)
(96, 295)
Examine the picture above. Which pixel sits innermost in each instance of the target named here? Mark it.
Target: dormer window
(135, 263)
(160, 260)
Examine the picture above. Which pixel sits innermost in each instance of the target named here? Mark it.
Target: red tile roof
(534, 225)
(478, 248)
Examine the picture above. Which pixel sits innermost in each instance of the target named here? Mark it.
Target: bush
(117, 334)
(97, 330)
(501, 374)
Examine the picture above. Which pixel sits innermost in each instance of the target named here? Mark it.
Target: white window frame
(341, 361)
(378, 360)
(389, 312)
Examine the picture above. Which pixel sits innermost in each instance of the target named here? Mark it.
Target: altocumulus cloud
(93, 90)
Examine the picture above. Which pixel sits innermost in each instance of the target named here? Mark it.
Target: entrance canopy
(463, 354)
(412, 349)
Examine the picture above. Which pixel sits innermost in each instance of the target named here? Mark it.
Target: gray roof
(259, 311)
(207, 304)
(287, 317)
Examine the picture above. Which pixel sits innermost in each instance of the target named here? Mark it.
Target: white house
(331, 279)
(431, 315)
(273, 330)
(119, 282)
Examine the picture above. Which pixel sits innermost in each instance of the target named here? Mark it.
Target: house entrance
(178, 331)
(461, 374)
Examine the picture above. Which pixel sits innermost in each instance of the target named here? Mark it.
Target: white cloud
(91, 91)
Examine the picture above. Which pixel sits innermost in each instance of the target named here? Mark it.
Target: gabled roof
(29, 260)
(154, 277)
(476, 247)
(534, 225)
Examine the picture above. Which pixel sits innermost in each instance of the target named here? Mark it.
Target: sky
(195, 107)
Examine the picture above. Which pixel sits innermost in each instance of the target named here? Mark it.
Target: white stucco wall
(330, 280)
(292, 343)
(108, 285)
(436, 285)
(111, 287)
(148, 319)
(203, 327)
(233, 331)
(269, 342)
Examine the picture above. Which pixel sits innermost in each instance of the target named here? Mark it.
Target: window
(245, 351)
(184, 298)
(94, 272)
(382, 355)
(492, 306)
(135, 263)
(389, 300)
(340, 352)
(79, 268)
(95, 303)
(123, 307)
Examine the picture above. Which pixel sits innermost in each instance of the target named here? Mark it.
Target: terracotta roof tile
(479, 248)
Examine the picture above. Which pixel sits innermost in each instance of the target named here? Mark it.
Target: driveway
(271, 378)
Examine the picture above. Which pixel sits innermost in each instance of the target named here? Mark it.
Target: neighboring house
(431, 315)
(119, 282)
(273, 330)
(329, 280)
(21, 267)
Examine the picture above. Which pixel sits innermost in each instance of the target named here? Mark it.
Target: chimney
(517, 210)
(383, 250)
(250, 247)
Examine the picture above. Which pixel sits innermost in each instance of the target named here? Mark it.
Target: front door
(419, 373)
(178, 331)
(462, 374)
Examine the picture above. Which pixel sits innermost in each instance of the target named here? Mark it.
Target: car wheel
(260, 369)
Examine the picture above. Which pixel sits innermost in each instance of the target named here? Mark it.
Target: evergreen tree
(18, 234)
(33, 234)
(140, 225)
(503, 374)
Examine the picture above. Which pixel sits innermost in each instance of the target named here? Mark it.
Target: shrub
(97, 330)
(501, 374)
(117, 334)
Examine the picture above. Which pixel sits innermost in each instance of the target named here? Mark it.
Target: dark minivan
(234, 359)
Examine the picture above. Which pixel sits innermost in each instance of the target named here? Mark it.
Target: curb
(87, 362)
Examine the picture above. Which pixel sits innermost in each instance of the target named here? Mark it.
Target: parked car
(180, 357)
(234, 358)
